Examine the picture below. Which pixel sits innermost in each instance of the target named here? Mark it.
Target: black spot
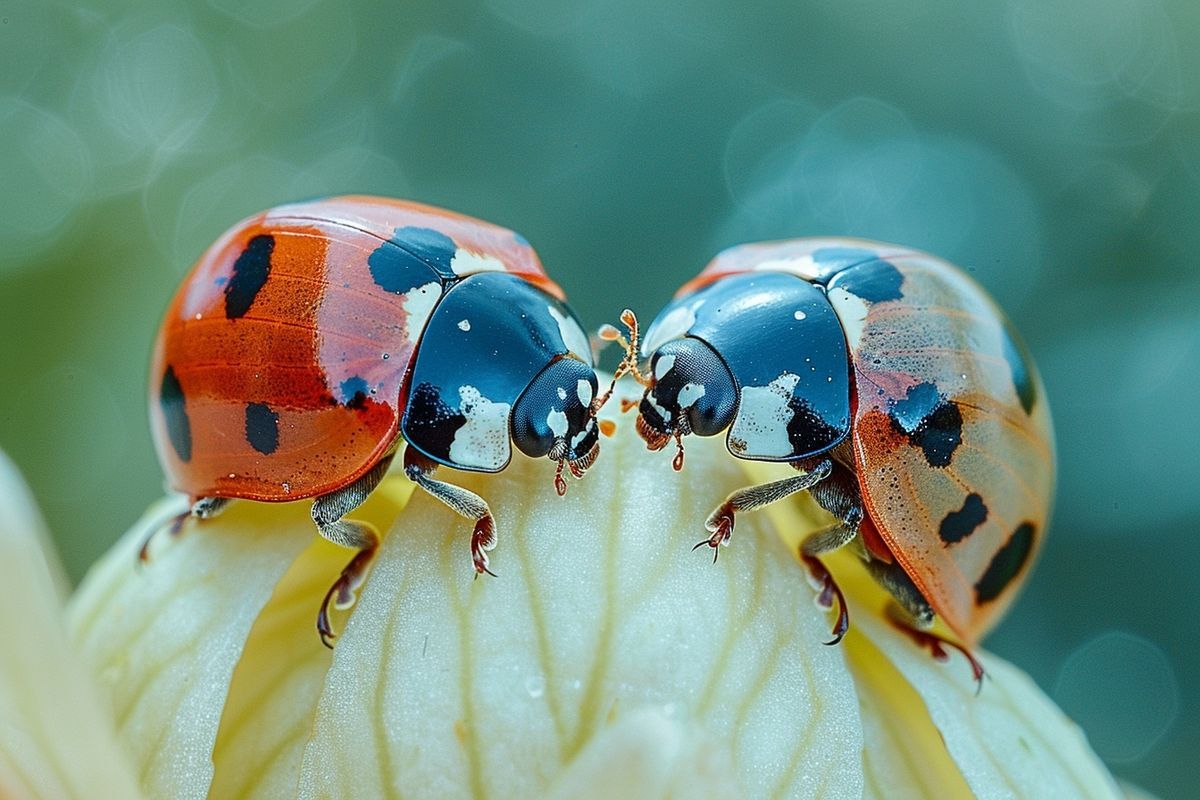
(354, 392)
(809, 431)
(262, 428)
(930, 421)
(1006, 564)
(1015, 355)
(875, 281)
(179, 430)
(960, 524)
(402, 263)
(249, 275)
(429, 423)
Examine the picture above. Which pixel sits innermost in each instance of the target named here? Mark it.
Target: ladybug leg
(892, 577)
(202, 508)
(839, 495)
(466, 503)
(720, 521)
(327, 512)
(916, 628)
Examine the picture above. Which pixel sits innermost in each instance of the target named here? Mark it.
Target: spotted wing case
(280, 365)
(952, 434)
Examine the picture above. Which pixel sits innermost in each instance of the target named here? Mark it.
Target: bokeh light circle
(155, 87)
(1123, 690)
(46, 177)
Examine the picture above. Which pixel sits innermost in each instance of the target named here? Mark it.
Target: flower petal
(55, 741)
(1007, 741)
(269, 712)
(164, 639)
(903, 754)
(647, 755)
(600, 626)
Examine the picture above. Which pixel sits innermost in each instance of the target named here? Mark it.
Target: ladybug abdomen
(279, 368)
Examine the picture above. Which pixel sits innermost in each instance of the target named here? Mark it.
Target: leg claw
(829, 591)
(172, 529)
(937, 648)
(343, 594)
(483, 538)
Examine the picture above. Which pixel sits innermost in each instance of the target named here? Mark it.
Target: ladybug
(899, 392)
(312, 339)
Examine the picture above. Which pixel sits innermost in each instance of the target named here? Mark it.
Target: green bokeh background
(1049, 146)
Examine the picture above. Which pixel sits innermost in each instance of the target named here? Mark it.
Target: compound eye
(553, 417)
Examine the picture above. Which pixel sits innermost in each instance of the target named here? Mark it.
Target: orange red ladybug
(312, 339)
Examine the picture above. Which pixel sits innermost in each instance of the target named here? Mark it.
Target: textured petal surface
(601, 632)
(273, 696)
(55, 739)
(164, 639)
(1007, 741)
(606, 660)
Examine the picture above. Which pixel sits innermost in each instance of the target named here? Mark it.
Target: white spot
(483, 441)
(556, 421)
(562, 393)
(677, 322)
(799, 315)
(464, 325)
(662, 412)
(579, 437)
(572, 335)
(583, 390)
(763, 417)
(418, 305)
(199, 316)
(690, 393)
(852, 311)
(663, 366)
(465, 262)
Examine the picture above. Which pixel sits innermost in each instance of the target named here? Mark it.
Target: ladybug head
(556, 417)
(689, 390)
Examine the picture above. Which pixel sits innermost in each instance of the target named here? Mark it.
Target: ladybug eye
(692, 392)
(552, 417)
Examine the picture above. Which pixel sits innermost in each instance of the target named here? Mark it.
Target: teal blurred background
(1049, 146)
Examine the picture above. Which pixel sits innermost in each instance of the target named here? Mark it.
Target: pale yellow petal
(445, 686)
(55, 741)
(1009, 741)
(164, 638)
(273, 697)
(647, 755)
(904, 757)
